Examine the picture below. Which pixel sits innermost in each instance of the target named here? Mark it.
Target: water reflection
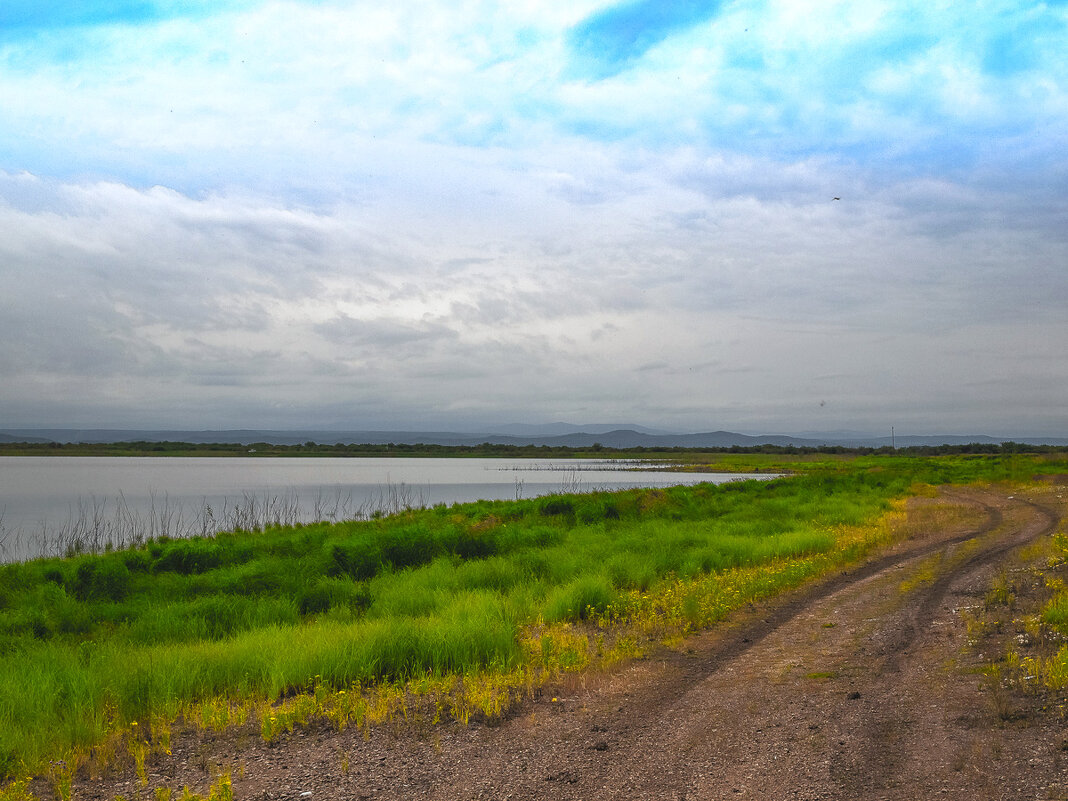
(58, 505)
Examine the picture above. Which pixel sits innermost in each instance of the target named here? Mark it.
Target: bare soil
(866, 686)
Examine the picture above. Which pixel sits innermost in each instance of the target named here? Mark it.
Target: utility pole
(893, 442)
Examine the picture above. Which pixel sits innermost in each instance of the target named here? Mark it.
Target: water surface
(46, 501)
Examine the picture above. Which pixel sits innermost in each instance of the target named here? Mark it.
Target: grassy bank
(466, 607)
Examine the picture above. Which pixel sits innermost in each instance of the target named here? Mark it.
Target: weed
(994, 686)
(61, 775)
(138, 750)
(1000, 592)
(1055, 670)
(222, 789)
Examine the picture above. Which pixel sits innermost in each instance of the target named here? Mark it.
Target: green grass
(91, 645)
(1055, 616)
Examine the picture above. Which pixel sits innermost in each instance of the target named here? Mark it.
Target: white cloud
(193, 302)
(422, 207)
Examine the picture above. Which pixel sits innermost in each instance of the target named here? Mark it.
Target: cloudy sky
(455, 213)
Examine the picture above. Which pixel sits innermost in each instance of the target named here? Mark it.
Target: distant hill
(617, 438)
(16, 438)
(561, 429)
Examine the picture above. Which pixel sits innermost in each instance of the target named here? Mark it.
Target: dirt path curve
(859, 688)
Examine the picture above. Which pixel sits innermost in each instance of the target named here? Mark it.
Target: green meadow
(103, 653)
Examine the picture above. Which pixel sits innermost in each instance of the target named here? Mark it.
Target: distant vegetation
(452, 611)
(488, 449)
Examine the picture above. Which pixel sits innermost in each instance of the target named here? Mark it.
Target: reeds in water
(99, 525)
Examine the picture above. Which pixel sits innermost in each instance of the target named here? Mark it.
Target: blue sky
(454, 214)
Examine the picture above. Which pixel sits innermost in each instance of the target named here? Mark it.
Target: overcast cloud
(455, 214)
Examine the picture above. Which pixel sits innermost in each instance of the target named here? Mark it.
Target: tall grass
(92, 644)
(97, 525)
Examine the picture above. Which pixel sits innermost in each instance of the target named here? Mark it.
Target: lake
(50, 503)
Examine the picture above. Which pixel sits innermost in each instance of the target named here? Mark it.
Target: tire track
(879, 765)
(748, 632)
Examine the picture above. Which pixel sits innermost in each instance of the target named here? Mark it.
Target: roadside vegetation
(454, 612)
(1023, 620)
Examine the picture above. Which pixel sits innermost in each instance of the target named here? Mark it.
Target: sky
(767, 216)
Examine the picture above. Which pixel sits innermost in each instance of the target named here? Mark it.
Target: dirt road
(864, 687)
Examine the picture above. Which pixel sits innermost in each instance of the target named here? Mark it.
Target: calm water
(47, 502)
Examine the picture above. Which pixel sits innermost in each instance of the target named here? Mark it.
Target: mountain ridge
(614, 438)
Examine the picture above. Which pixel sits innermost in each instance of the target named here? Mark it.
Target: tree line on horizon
(489, 449)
